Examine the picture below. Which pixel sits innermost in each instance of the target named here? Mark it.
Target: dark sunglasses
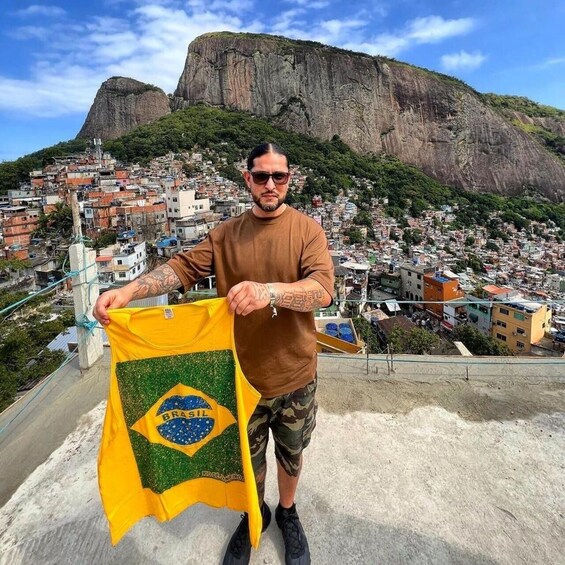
(260, 177)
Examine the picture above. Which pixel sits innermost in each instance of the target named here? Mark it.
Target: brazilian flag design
(180, 412)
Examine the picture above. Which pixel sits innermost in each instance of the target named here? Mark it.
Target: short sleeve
(316, 262)
(193, 265)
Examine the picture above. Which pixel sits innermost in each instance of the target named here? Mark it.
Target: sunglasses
(260, 177)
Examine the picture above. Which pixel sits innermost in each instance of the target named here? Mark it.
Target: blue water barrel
(344, 325)
(331, 326)
(333, 333)
(348, 337)
(345, 331)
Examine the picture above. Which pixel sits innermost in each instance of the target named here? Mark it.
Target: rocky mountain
(374, 104)
(437, 123)
(121, 104)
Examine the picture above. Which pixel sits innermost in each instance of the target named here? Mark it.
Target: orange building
(520, 323)
(439, 288)
(18, 225)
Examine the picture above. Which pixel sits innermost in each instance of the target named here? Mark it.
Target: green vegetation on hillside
(508, 106)
(478, 343)
(231, 134)
(12, 173)
(521, 104)
(331, 168)
(24, 358)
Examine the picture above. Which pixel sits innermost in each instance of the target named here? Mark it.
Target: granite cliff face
(121, 104)
(374, 104)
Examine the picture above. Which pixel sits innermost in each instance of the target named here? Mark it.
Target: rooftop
(441, 461)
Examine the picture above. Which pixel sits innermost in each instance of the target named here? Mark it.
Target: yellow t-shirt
(175, 431)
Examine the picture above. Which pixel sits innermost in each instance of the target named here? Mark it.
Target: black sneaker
(296, 551)
(239, 547)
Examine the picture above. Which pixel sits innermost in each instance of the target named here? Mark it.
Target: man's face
(269, 196)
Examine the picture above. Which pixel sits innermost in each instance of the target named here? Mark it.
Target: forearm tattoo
(160, 281)
(261, 291)
(300, 299)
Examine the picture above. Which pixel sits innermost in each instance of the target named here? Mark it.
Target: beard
(268, 206)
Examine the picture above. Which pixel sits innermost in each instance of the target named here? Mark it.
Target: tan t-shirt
(277, 355)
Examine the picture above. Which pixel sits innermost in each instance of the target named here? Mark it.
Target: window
(175, 199)
(122, 275)
(419, 286)
(120, 262)
(473, 306)
(501, 324)
(504, 311)
(501, 337)
(520, 331)
(519, 316)
(483, 309)
(519, 345)
(409, 273)
(419, 277)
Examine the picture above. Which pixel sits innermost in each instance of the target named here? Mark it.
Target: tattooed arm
(160, 281)
(303, 296)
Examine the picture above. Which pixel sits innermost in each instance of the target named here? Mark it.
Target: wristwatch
(272, 297)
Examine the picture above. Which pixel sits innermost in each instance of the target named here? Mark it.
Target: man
(273, 265)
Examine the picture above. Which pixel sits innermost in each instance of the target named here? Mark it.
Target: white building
(189, 229)
(182, 203)
(412, 281)
(121, 263)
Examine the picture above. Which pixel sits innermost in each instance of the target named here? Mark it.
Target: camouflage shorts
(292, 418)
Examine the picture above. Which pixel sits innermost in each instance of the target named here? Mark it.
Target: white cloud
(24, 33)
(46, 11)
(553, 62)
(313, 5)
(287, 23)
(431, 29)
(73, 61)
(236, 6)
(293, 24)
(51, 92)
(337, 27)
(150, 44)
(462, 61)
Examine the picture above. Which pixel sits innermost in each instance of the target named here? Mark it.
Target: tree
(365, 332)
(57, 222)
(23, 355)
(354, 235)
(14, 265)
(478, 343)
(363, 218)
(417, 341)
(105, 239)
(417, 206)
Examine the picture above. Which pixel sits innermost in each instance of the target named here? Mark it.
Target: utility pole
(85, 291)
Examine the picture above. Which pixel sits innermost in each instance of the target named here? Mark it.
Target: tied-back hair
(262, 149)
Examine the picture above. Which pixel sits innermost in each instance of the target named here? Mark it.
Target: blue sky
(54, 55)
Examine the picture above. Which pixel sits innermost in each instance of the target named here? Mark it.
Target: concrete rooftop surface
(445, 460)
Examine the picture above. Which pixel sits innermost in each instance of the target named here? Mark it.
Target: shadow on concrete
(200, 535)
